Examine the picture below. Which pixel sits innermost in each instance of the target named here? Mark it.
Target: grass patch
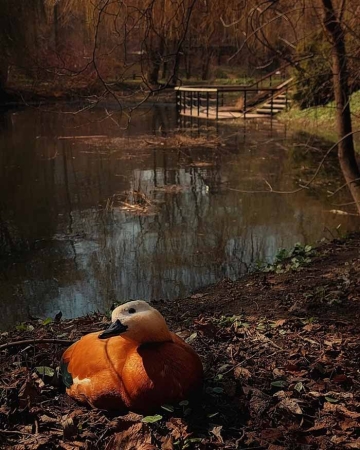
(321, 119)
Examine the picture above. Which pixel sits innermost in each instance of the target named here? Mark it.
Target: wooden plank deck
(222, 115)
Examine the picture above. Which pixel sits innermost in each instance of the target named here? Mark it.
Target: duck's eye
(132, 310)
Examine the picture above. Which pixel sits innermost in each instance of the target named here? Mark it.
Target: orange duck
(136, 364)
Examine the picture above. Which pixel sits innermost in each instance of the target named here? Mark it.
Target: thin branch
(342, 187)
(35, 341)
(306, 185)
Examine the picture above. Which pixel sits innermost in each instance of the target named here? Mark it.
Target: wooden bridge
(232, 102)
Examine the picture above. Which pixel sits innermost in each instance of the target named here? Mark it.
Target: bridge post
(217, 104)
(244, 106)
(178, 102)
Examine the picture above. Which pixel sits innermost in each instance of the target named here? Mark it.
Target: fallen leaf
(178, 428)
(28, 394)
(354, 444)
(338, 439)
(216, 431)
(195, 296)
(290, 405)
(291, 367)
(280, 395)
(240, 373)
(323, 425)
(135, 437)
(278, 373)
(70, 429)
(340, 379)
(191, 338)
(271, 434)
(347, 413)
(348, 423)
(47, 419)
(167, 443)
(279, 323)
(331, 407)
(258, 402)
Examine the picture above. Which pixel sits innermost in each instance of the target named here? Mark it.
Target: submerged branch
(308, 183)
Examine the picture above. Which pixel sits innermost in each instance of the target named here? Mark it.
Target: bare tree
(346, 150)
(264, 25)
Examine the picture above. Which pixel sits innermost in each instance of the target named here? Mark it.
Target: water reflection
(63, 249)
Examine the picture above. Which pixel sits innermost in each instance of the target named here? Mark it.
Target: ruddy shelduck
(136, 364)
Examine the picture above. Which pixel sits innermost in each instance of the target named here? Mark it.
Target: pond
(93, 211)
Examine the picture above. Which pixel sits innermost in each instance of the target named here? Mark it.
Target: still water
(70, 242)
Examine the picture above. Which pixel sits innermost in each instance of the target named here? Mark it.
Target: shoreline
(280, 353)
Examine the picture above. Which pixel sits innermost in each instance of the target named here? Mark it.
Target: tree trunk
(346, 151)
(154, 58)
(175, 74)
(4, 70)
(205, 67)
(153, 68)
(187, 63)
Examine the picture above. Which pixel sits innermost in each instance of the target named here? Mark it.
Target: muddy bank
(281, 356)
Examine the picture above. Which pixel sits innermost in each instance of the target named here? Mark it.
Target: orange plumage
(136, 364)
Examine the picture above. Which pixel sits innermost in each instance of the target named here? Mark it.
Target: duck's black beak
(114, 329)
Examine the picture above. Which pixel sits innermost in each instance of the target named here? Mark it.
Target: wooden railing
(192, 100)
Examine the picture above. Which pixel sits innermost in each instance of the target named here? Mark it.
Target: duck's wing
(81, 360)
(160, 373)
(91, 369)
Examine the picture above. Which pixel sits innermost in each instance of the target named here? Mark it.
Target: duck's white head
(138, 321)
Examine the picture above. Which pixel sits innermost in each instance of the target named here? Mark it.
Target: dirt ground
(281, 354)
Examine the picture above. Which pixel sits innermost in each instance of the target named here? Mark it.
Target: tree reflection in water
(63, 249)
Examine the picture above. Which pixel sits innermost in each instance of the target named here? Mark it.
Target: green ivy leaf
(184, 403)
(331, 400)
(191, 338)
(279, 383)
(45, 371)
(47, 321)
(218, 390)
(169, 408)
(152, 419)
